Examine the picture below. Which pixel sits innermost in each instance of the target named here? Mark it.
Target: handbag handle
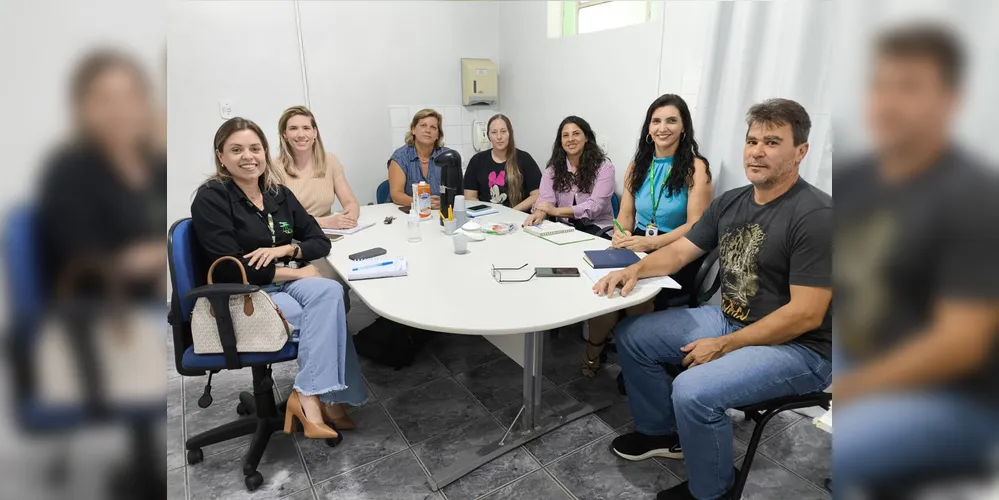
(242, 270)
(247, 301)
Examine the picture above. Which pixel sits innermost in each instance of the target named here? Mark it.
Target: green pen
(619, 227)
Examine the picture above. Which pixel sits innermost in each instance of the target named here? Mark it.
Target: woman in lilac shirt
(578, 182)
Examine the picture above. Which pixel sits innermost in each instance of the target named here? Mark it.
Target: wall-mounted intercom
(479, 83)
(480, 137)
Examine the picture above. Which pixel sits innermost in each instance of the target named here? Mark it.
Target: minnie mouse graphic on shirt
(497, 180)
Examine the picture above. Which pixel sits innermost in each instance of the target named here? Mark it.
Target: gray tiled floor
(460, 394)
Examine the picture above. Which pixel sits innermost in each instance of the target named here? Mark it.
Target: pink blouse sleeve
(600, 197)
(547, 189)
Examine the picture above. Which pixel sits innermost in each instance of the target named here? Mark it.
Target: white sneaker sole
(662, 452)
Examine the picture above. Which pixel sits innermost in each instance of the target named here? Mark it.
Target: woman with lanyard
(667, 188)
(244, 213)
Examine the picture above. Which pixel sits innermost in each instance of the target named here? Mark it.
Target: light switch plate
(225, 108)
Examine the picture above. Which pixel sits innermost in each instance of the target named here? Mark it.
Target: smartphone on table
(556, 272)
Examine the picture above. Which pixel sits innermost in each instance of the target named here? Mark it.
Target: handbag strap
(227, 334)
(242, 270)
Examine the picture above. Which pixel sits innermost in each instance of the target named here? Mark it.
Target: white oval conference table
(451, 293)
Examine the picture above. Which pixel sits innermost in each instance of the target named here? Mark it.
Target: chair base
(268, 419)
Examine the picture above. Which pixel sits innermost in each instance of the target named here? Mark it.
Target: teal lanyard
(652, 189)
(270, 225)
(270, 221)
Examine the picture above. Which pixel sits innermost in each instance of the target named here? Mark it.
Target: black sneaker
(637, 446)
(682, 492)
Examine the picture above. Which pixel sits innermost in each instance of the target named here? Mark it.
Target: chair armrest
(221, 289)
(697, 297)
(606, 233)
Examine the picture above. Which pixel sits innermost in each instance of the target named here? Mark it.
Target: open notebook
(360, 225)
(660, 281)
(378, 267)
(558, 233)
(549, 228)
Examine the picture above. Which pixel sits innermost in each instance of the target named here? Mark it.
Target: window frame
(569, 24)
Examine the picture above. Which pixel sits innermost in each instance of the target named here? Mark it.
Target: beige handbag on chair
(126, 342)
(256, 319)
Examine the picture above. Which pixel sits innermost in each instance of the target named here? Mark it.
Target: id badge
(651, 230)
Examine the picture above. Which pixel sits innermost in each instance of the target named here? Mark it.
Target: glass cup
(413, 234)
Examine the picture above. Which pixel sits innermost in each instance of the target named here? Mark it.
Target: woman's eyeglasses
(498, 274)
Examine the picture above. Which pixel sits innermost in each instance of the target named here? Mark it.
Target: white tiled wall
(457, 125)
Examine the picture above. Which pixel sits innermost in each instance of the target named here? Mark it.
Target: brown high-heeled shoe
(590, 365)
(311, 430)
(343, 423)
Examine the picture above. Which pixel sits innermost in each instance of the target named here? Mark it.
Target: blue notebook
(610, 258)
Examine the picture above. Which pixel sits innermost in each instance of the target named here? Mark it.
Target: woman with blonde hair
(504, 174)
(414, 162)
(243, 212)
(315, 176)
(312, 173)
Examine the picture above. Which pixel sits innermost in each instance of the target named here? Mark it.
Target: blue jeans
(694, 403)
(891, 435)
(327, 362)
(888, 436)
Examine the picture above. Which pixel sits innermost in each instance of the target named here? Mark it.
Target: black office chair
(761, 414)
(268, 416)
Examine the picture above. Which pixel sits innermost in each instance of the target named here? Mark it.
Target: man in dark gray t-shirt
(772, 335)
(917, 281)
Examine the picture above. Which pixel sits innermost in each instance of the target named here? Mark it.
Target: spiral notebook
(558, 233)
(360, 225)
(549, 228)
(378, 267)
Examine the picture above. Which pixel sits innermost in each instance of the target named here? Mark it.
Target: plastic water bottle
(413, 234)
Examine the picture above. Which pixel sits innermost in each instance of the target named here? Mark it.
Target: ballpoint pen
(450, 213)
(619, 227)
(380, 264)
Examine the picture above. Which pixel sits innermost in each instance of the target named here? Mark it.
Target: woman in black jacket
(244, 213)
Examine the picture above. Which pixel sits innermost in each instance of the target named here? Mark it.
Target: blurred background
(82, 398)
(83, 213)
(916, 376)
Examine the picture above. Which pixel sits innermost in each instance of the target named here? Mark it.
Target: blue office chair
(27, 293)
(615, 204)
(382, 194)
(269, 417)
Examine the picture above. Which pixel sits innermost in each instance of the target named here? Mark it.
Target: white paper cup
(460, 243)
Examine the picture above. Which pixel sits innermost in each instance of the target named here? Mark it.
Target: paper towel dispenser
(479, 84)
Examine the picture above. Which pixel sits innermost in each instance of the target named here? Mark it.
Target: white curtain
(759, 50)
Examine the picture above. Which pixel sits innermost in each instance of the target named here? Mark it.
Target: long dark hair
(589, 161)
(682, 172)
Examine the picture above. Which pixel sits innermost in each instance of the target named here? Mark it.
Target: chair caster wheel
(194, 456)
(253, 481)
(333, 442)
(247, 405)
